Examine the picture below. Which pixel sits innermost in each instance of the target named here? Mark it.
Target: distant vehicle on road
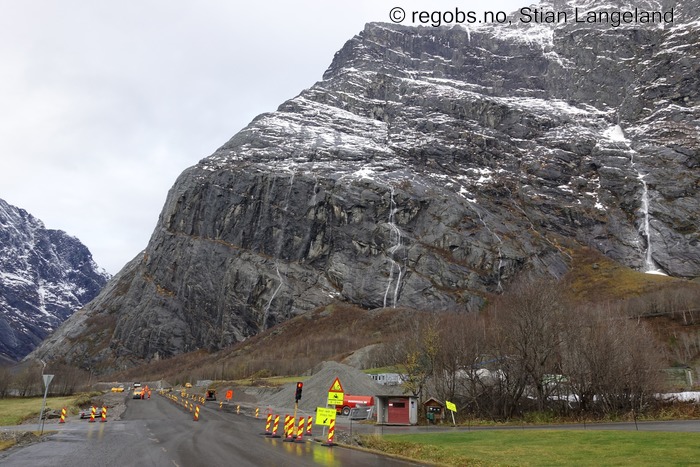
(138, 393)
(211, 395)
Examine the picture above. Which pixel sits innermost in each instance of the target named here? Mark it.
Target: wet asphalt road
(157, 432)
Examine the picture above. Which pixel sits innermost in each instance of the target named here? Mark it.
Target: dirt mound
(315, 393)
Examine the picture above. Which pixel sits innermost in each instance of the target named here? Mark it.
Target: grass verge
(542, 448)
(15, 410)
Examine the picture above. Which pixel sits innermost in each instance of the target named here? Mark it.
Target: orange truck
(351, 401)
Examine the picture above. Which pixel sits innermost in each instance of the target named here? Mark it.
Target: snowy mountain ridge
(45, 275)
(426, 169)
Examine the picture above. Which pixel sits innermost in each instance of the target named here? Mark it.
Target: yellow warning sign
(450, 406)
(336, 386)
(324, 416)
(335, 398)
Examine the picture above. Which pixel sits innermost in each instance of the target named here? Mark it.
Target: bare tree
(462, 350)
(66, 379)
(528, 328)
(612, 362)
(5, 377)
(417, 354)
(28, 381)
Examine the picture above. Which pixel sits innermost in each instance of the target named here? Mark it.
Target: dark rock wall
(425, 170)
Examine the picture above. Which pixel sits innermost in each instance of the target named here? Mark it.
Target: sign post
(335, 393)
(47, 381)
(335, 398)
(452, 408)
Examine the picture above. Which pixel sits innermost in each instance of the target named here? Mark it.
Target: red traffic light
(300, 386)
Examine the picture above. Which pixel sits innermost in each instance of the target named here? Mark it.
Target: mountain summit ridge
(45, 275)
(426, 169)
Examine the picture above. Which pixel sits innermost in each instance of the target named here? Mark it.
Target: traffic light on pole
(300, 386)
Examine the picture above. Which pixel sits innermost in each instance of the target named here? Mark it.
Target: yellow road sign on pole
(335, 398)
(324, 416)
(450, 406)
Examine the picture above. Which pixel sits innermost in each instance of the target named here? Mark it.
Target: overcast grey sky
(103, 103)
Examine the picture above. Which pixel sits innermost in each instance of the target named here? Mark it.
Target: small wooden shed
(434, 410)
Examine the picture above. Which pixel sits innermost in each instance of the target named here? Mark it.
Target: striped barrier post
(238, 409)
(221, 405)
(104, 414)
(300, 431)
(275, 425)
(289, 429)
(63, 415)
(331, 434)
(257, 412)
(268, 422)
(309, 422)
(196, 414)
(92, 414)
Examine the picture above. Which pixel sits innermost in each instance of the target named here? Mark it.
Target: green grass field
(14, 410)
(545, 448)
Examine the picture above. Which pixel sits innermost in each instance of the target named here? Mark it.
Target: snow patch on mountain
(45, 275)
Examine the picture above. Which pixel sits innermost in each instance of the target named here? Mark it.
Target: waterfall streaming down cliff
(395, 238)
(616, 134)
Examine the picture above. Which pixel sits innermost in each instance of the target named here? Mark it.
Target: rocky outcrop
(45, 275)
(426, 169)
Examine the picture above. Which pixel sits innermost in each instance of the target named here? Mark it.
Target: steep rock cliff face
(45, 275)
(425, 170)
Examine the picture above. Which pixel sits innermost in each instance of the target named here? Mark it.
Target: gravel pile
(315, 392)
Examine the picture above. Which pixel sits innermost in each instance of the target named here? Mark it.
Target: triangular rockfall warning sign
(336, 386)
